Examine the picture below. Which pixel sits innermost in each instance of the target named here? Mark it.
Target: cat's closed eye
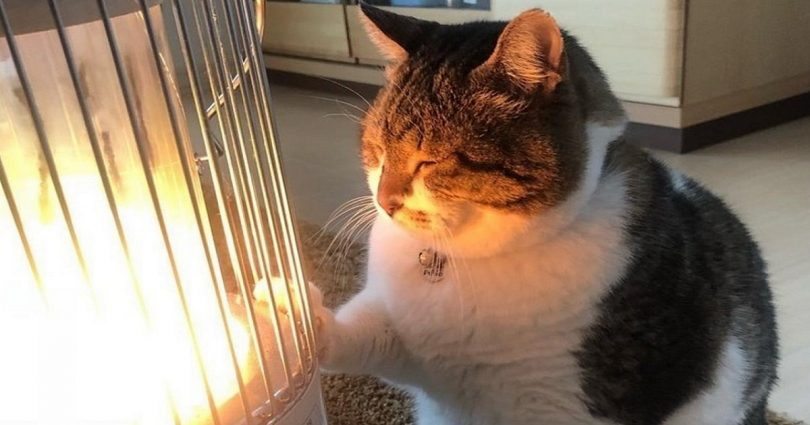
(425, 165)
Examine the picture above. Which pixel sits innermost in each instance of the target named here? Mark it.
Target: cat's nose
(391, 191)
(390, 203)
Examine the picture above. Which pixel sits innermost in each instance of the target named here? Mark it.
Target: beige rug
(362, 400)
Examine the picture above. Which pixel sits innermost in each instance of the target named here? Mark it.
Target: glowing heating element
(142, 206)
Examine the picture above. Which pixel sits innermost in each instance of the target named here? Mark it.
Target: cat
(573, 278)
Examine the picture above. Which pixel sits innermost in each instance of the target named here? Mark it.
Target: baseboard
(324, 84)
(688, 139)
(681, 140)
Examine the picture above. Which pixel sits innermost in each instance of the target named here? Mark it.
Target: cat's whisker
(450, 253)
(350, 224)
(344, 209)
(464, 261)
(341, 233)
(364, 223)
(443, 234)
(367, 226)
(347, 88)
(353, 214)
(352, 229)
(337, 257)
(340, 102)
(353, 118)
(361, 200)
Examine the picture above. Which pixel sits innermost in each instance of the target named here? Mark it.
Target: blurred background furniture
(690, 73)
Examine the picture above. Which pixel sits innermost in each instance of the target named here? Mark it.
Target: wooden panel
(317, 30)
(365, 50)
(746, 98)
(638, 43)
(735, 45)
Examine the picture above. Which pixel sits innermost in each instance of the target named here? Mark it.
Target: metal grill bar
(244, 51)
(15, 215)
(236, 175)
(216, 82)
(235, 83)
(104, 174)
(220, 59)
(279, 189)
(42, 138)
(141, 141)
(192, 71)
(215, 273)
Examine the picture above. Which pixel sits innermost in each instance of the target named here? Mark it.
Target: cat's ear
(529, 51)
(396, 36)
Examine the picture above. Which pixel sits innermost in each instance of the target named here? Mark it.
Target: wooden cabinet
(366, 52)
(307, 30)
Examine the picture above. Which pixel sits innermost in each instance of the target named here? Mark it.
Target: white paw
(323, 322)
(261, 293)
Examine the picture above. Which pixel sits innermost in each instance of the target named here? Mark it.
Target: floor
(764, 176)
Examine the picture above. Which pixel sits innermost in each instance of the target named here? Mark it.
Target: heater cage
(146, 240)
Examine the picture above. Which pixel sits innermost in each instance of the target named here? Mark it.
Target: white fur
(678, 180)
(723, 402)
(512, 319)
(492, 343)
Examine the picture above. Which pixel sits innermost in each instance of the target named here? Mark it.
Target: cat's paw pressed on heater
(323, 320)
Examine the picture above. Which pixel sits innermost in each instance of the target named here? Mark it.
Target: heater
(149, 269)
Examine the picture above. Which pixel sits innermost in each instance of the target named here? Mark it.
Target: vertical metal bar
(226, 132)
(229, 123)
(192, 71)
(234, 128)
(216, 278)
(267, 135)
(15, 215)
(257, 209)
(238, 180)
(277, 178)
(144, 158)
(45, 147)
(247, 70)
(103, 172)
(237, 46)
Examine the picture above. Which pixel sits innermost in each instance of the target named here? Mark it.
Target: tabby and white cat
(583, 281)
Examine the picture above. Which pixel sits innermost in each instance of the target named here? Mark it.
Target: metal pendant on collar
(432, 264)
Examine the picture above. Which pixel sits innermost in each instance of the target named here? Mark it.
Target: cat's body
(625, 295)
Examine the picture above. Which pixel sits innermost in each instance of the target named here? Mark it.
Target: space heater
(149, 268)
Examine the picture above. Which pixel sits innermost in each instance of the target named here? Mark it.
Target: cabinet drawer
(364, 50)
(305, 29)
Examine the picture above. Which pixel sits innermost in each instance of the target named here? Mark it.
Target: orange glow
(90, 355)
(111, 343)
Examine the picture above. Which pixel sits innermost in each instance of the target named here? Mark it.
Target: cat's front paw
(323, 322)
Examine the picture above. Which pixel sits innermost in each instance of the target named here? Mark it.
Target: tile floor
(764, 176)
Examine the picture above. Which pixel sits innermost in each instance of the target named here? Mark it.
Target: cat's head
(476, 131)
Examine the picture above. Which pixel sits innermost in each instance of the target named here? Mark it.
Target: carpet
(364, 400)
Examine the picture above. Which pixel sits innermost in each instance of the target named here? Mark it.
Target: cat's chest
(497, 336)
(523, 305)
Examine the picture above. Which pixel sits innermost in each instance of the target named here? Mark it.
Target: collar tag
(432, 264)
